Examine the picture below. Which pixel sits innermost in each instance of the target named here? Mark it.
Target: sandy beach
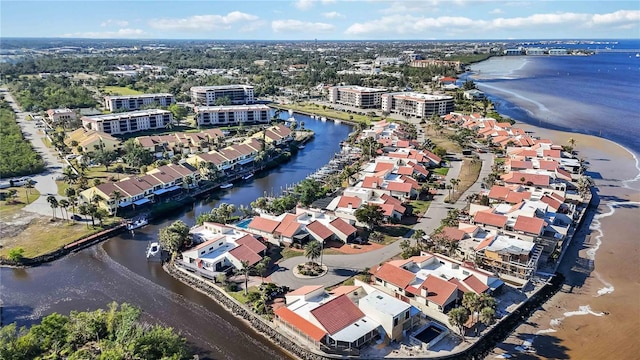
(597, 313)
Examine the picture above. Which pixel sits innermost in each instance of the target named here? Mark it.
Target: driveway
(45, 181)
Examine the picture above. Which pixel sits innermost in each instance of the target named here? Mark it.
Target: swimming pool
(244, 223)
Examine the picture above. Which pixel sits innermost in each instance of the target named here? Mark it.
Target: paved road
(342, 267)
(45, 182)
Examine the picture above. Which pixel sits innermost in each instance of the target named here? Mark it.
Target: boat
(301, 146)
(138, 223)
(153, 249)
(247, 177)
(323, 119)
(226, 186)
(638, 55)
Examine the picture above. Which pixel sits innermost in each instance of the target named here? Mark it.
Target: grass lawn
(46, 142)
(329, 113)
(419, 206)
(62, 187)
(100, 172)
(441, 171)
(392, 232)
(42, 236)
(239, 295)
(469, 173)
(120, 90)
(8, 208)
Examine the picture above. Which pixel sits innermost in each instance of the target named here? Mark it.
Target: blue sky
(322, 19)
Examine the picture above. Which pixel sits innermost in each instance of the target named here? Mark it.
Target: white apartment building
(232, 115)
(417, 104)
(128, 122)
(207, 95)
(136, 102)
(357, 96)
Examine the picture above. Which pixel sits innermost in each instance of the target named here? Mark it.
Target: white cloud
(119, 23)
(333, 15)
(202, 22)
(308, 4)
(303, 4)
(121, 33)
(496, 11)
(401, 24)
(299, 26)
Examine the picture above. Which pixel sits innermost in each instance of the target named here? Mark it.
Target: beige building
(128, 122)
(207, 95)
(136, 102)
(417, 104)
(232, 115)
(356, 96)
(60, 115)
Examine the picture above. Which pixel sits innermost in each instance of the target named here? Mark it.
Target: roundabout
(310, 270)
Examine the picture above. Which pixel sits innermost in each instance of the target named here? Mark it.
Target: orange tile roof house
(263, 226)
(490, 219)
(529, 225)
(319, 231)
(343, 230)
(337, 314)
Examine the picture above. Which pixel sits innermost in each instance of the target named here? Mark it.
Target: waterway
(117, 270)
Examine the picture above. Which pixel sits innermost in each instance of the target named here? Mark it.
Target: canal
(117, 270)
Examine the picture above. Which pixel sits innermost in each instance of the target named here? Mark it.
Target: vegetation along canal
(117, 270)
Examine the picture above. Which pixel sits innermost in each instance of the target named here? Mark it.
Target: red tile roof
(343, 226)
(252, 243)
(369, 181)
(535, 179)
(337, 314)
(488, 218)
(453, 233)
(420, 169)
(395, 275)
(402, 144)
(438, 289)
(263, 224)
(551, 153)
(405, 170)
(244, 253)
(548, 164)
(344, 289)
(514, 197)
(498, 192)
(475, 284)
(345, 201)
(288, 226)
(300, 323)
(320, 230)
(553, 203)
(383, 166)
(398, 186)
(530, 225)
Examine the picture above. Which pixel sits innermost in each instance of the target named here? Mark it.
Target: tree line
(17, 156)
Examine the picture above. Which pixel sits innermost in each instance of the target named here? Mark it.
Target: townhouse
(88, 140)
(181, 143)
(235, 94)
(128, 122)
(232, 115)
(230, 158)
(275, 135)
(137, 102)
(132, 192)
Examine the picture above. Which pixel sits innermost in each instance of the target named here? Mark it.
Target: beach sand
(597, 313)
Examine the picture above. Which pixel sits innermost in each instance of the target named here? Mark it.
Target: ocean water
(597, 95)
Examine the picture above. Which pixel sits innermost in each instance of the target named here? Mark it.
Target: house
(264, 227)
(88, 140)
(515, 260)
(395, 316)
(57, 116)
(319, 231)
(343, 230)
(222, 247)
(474, 94)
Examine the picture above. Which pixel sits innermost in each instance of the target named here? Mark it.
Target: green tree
(487, 316)
(262, 267)
(16, 254)
(370, 214)
(313, 250)
(64, 205)
(245, 270)
(53, 202)
(173, 237)
(135, 155)
(179, 112)
(457, 318)
(116, 196)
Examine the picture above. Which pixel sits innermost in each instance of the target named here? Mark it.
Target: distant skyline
(322, 19)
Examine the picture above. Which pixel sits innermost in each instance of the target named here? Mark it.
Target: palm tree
(487, 316)
(471, 302)
(53, 202)
(73, 202)
(449, 187)
(116, 195)
(457, 318)
(245, 271)
(263, 266)
(454, 184)
(418, 235)
(64, 204)
(313, 250)
(84, 210)
(572, 143)
(28, 186)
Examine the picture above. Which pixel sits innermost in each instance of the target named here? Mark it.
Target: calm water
(597, 95)
(118, 271)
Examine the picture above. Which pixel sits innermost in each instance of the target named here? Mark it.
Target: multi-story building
(357, 96)
(207, 95)
(232, 115)
(128, 122)
(136, 102)
(416, 104)
(60, 115)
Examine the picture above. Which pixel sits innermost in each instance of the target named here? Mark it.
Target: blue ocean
(597, 94)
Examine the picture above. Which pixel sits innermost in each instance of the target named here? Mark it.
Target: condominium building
(232, 115)
(136, 102)
(128, 122)
(207, 95)
(357, 96)
(416, 104)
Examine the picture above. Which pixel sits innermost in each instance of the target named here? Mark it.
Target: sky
(322, 19)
